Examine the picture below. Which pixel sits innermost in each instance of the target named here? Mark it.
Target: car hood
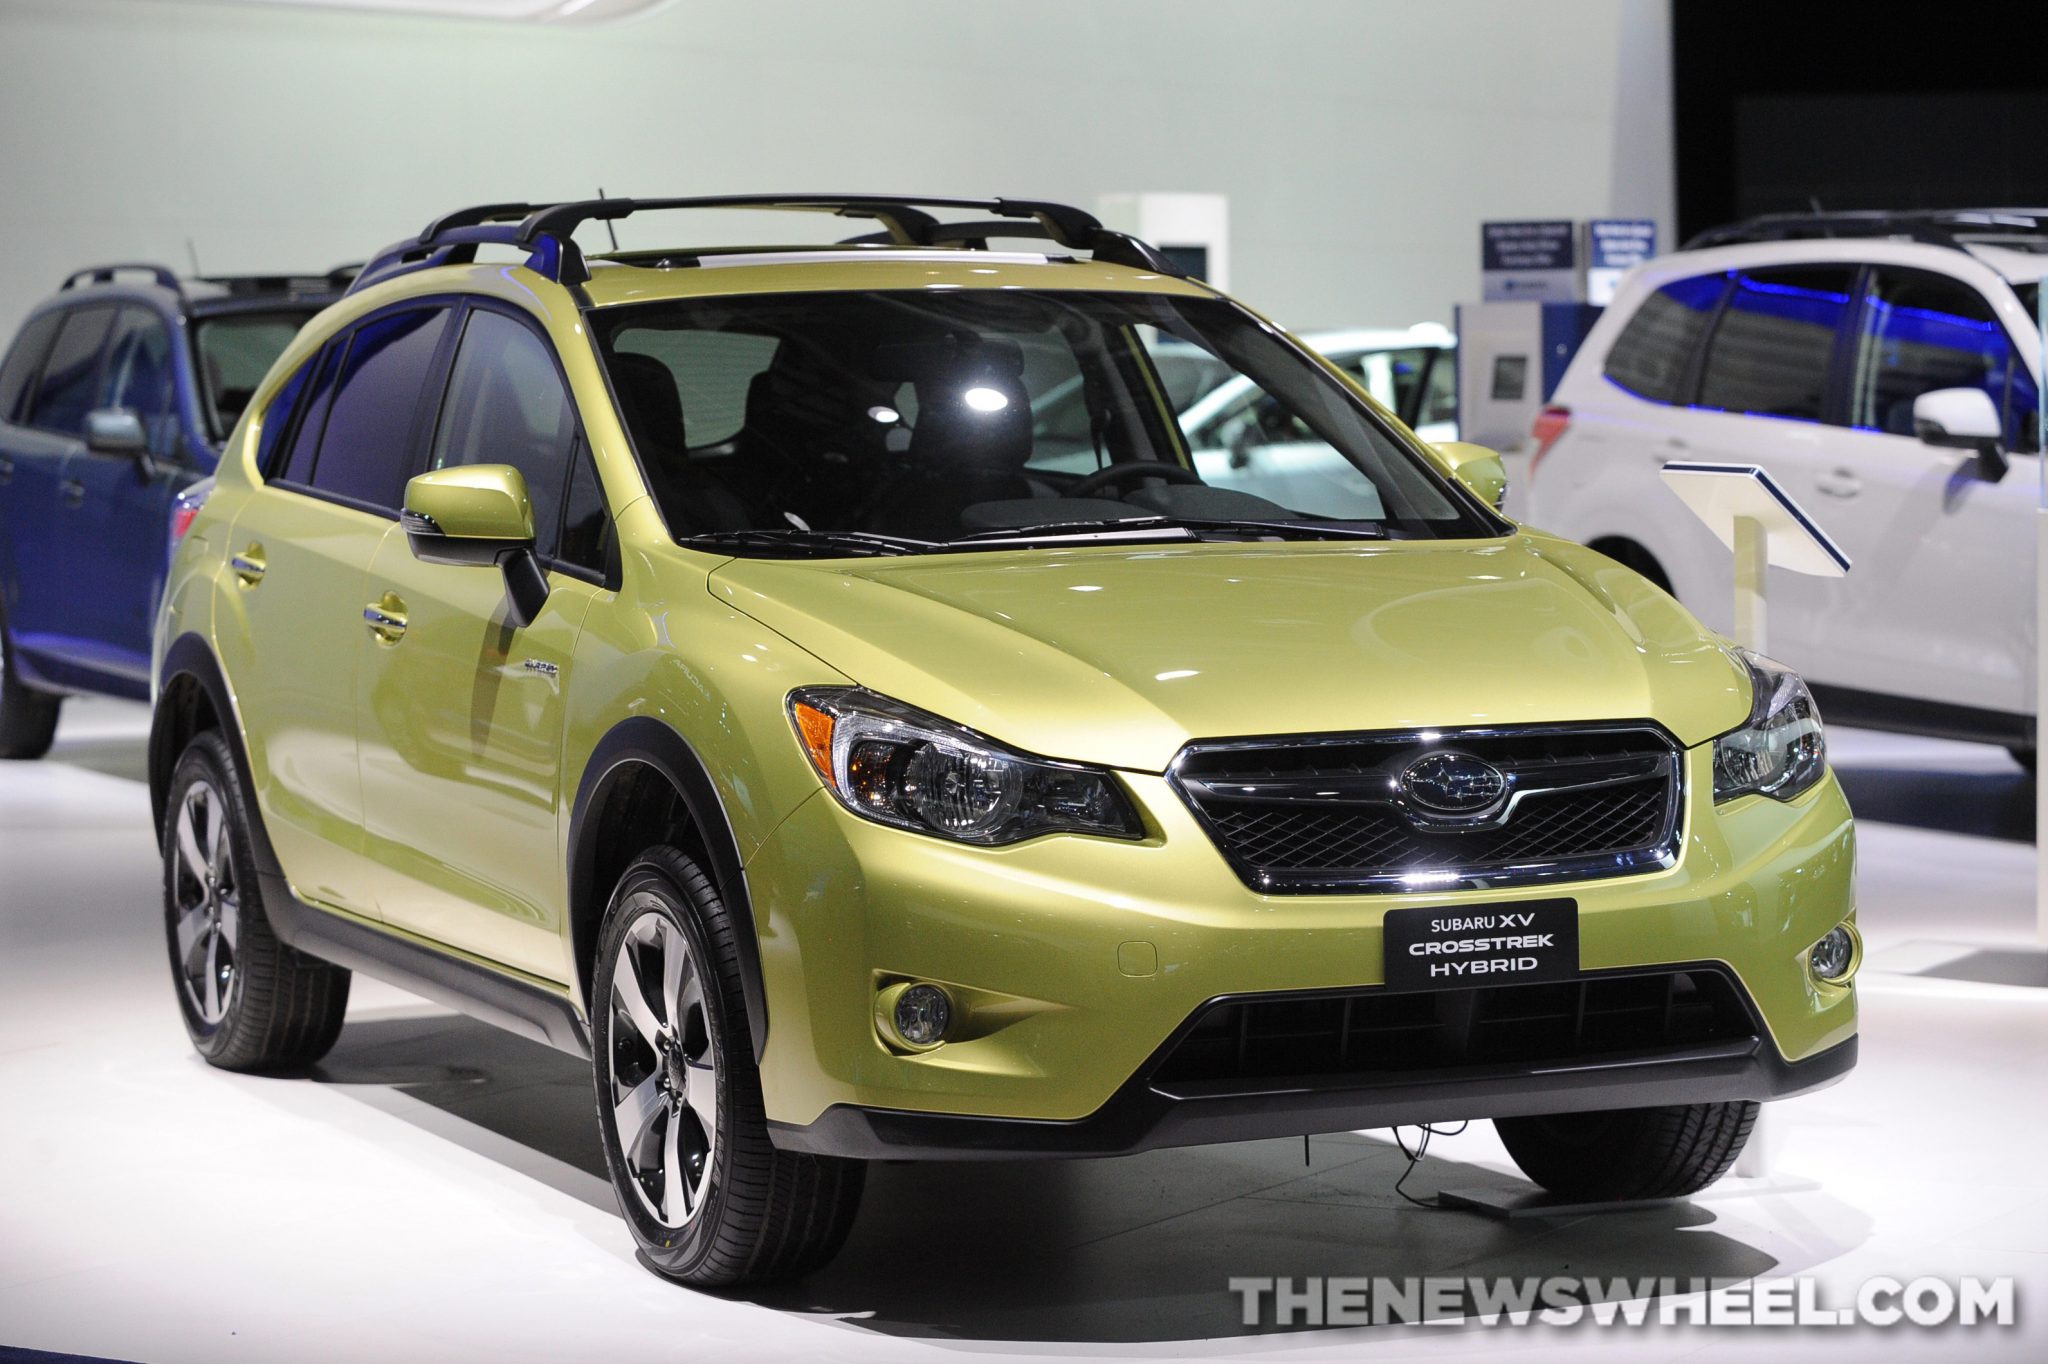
(1121, 655)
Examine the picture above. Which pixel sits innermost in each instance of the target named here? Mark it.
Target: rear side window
(1654, 352)
(277, 419)
(506, 405)
(24, 361)
(366, 452)
(1770, 353)
(66, 392)
(1923, 331)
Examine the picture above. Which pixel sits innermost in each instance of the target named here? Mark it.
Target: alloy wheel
(208, 904)
(663, 1070)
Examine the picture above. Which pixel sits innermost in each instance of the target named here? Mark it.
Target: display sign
(1614, 246)
(1457, 946)
(1529, 260)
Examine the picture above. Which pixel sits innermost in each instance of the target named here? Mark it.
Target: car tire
(28, 718)
(711, 1202)
(249, 1001)
(2024, 756)
(1629, 1153)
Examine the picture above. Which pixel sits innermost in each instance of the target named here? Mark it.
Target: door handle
(386, 618)
(1841, 483)
(73, 492)
(250, 565)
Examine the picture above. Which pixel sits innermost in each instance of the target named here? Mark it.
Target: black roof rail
(1951, 227)
(104, 274)
(548, 231)
(255, 285)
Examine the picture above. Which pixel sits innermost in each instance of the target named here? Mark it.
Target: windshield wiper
(1193, 525)
(818, 542)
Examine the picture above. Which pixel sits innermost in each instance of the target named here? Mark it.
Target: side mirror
(1478, 468)
(478, 515)
(115, 431)
(1963, 419)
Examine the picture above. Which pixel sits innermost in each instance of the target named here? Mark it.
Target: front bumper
(1078, 962)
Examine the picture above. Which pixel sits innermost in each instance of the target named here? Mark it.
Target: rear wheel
(28, 718)
(1629, 1153)
(249, 1001)
(709, 1198)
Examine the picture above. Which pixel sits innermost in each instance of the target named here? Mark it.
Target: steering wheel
(1132, 472)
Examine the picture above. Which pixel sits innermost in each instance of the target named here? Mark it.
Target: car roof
(200, 297)
(2015, 266)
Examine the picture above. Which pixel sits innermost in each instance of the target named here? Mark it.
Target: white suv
(1885, 368)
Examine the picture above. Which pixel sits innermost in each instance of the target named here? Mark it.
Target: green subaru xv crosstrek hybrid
(707, 661)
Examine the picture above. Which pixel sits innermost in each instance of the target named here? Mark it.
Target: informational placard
(1613, 247)
(1535, 261)
(1457, 946)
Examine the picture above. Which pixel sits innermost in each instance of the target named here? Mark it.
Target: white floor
(434, 1191)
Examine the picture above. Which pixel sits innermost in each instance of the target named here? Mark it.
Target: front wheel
(1629, 1153)
(709, 1198)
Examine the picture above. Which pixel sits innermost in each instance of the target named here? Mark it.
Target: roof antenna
(610, 231)
(1819, 212)
(193, 252)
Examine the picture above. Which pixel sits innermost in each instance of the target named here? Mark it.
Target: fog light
(920, 1015)
(1833, 958)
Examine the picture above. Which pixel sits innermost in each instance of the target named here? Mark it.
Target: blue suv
(114, 399)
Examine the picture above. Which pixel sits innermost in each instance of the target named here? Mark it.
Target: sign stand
(1759, 521)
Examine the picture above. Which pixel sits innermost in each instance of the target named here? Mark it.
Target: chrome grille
(1330, 814)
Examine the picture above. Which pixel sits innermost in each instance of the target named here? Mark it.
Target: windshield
(906, 421)
(235, 352)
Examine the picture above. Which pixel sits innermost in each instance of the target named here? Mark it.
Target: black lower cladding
(1263, 1066)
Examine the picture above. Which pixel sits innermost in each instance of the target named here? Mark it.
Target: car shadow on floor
(117, 755)
(1989, 804)
(1130, 1250)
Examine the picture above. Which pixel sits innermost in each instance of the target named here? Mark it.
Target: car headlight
(897, 765)
(1780, 750)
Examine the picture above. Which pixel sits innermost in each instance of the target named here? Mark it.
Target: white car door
(1939, 608)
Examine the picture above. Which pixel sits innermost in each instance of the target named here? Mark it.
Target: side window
(25, 361)
(1651, 356)
(366, 452)
(138, 376)
(1770, 353)
(1923, 331)
(277, 419)
(66, 392)
(506, 405)
(586, 521)
(1440, 397)
(305, 437)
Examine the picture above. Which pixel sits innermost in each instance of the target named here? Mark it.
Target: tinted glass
(235, 352)
(66, 392)
(586, 523)
(914, 414)
(366, 452)
(1769, 355)
(708, 375)
(138, 376)
(1923, 332)
(305, 438)
(1651, 356)
(24, 359)
(277, 419)
(506, 405)
(1440, 397)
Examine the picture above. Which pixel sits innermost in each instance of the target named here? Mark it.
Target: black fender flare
(191, 656)
(646, 741)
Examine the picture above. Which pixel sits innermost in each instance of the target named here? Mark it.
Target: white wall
(1360, 141)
